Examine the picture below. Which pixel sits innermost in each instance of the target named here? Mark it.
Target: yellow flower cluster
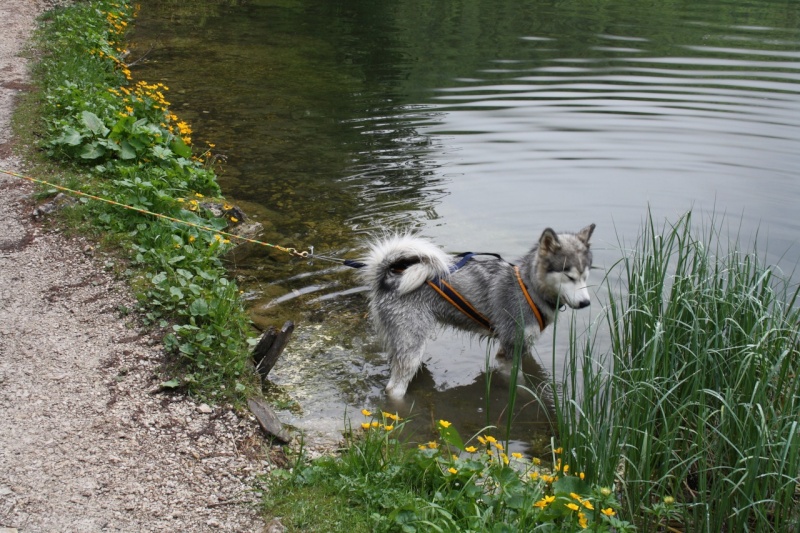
(117, 22)
(580, 510)
(154, 92)
(375, 424)
(151, 95)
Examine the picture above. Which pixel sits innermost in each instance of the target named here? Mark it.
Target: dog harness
(446, 291)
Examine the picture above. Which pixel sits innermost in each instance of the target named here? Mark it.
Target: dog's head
(563, 262)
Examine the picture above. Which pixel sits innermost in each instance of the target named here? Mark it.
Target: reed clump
(693, 413)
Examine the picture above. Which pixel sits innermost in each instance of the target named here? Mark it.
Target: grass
(101, 132)
(444, 485)
(688, 420)
(698, 399)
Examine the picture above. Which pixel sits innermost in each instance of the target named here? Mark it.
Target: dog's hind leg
(405, 337)
(404, 366)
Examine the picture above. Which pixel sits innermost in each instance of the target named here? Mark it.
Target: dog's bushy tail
(402, 263)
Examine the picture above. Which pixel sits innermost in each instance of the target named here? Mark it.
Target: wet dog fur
(405, 309)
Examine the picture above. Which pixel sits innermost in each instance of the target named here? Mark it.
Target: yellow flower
(582, 521)
(582, 475)
(471, 449)
(504, 457)
(498, 445)
(608, 511)
(374, 424)
(421, 446)
(588, 505)
(534, 475)
(669, 500)
(192, 238)
(481, 440)
(365, 425)
(573, 506)
(444, 423)
(537, 461)
(566, 468)
(544, 502)
(575, 496)
(491, 439)
(390, 416)
(452, 470)
(558, 450)
(516, 455)
(433, 445)
(366, 413)
(388, 428)
(605, 491)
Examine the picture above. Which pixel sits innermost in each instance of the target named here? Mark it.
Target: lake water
(478, 123)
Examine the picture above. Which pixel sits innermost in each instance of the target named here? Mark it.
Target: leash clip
(295, 253)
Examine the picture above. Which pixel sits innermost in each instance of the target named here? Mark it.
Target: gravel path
(84, 444)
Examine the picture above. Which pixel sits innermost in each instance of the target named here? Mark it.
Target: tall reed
(697, 399)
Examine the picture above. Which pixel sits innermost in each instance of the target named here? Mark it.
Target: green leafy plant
(450, 485)
(133, 151)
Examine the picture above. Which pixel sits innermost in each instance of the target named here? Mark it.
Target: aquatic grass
(120, 141)
(697, 402)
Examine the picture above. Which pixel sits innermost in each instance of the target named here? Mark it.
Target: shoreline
(84, 444)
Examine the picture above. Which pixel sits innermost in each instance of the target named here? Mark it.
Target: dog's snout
(584, 303)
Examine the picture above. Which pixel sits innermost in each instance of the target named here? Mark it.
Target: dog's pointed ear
(549, 242)
(586, 233)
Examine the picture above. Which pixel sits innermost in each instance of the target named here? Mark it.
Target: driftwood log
(265, 355)
(270, 347)
(268, 419)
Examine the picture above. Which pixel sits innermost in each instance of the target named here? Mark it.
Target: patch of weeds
(117, 139)
(444, 485)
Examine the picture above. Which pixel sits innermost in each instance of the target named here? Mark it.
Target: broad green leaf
(450, 436)
(93, 123)
(92, 151)
(180, 148)
(126, 151)
(199, 307)
(70, 137)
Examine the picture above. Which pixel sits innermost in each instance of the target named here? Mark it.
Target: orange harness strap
(532, 305)
(447, 292)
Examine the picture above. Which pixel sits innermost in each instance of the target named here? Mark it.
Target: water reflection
(478, 123)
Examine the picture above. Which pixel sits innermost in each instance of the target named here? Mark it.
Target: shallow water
(480, 124)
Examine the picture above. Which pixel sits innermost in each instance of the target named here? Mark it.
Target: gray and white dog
(512, 304)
